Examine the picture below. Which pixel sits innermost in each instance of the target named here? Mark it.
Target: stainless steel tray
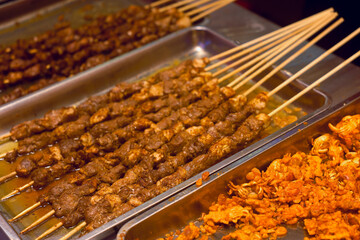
(27, 18)
(187, 43)
(188, 205)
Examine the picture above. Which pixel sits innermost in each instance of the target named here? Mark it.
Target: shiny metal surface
(188, 205)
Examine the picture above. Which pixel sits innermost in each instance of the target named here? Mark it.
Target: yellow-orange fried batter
(321, 189)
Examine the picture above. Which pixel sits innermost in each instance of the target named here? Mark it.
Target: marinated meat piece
(35, 142)
(41, 177)
(25, 166)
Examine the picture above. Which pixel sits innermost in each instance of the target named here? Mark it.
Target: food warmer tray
(185, 44)
(24, 19)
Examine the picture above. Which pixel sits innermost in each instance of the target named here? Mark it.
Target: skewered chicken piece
(98, 130)
(43, 176)
(187, 137)
(119, 93)
(111, 207)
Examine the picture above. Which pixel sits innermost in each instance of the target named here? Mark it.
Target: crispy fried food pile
(320, 189)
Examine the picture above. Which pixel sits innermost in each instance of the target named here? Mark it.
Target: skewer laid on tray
(185, 128)
(56, 118)
(57, 54)
(20, 128)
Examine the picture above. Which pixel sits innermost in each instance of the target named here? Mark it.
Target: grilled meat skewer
(122, 120)
(42, 176)
(66, 51)
(174, 144)
(166, 86)
(194, 146)
(105, 210)
(120, 92)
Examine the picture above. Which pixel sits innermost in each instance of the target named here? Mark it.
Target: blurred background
(284, 12)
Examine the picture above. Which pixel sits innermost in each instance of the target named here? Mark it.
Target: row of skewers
(32, 64)
(318, 189)
(115, 151)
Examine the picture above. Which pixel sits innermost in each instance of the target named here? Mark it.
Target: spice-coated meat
(129, 159)
(87, 140)
(65, 51)
(141, 194)
(94, 103)
(134, 174)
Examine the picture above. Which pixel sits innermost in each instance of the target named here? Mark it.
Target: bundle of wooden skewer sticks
(207, 124)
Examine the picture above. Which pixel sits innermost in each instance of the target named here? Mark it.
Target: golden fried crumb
(319, 189)
(205, 176)
(199, 182)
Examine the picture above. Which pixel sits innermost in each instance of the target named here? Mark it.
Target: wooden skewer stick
(260, 44)
(270, 60)
(3, 154)
(50, 230)
(295, 55)
(317, 82)
(317, 60)
(209, 11)
(192, 5)
(73, 231)
(26, 211)
(19, 189)
(38, 222)
(175, 5)
(6, 177)
(237, 81)
(259, 39)
(5, 137)
(250, 63)
(251, 55)
(157, 3)
(203, 8)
